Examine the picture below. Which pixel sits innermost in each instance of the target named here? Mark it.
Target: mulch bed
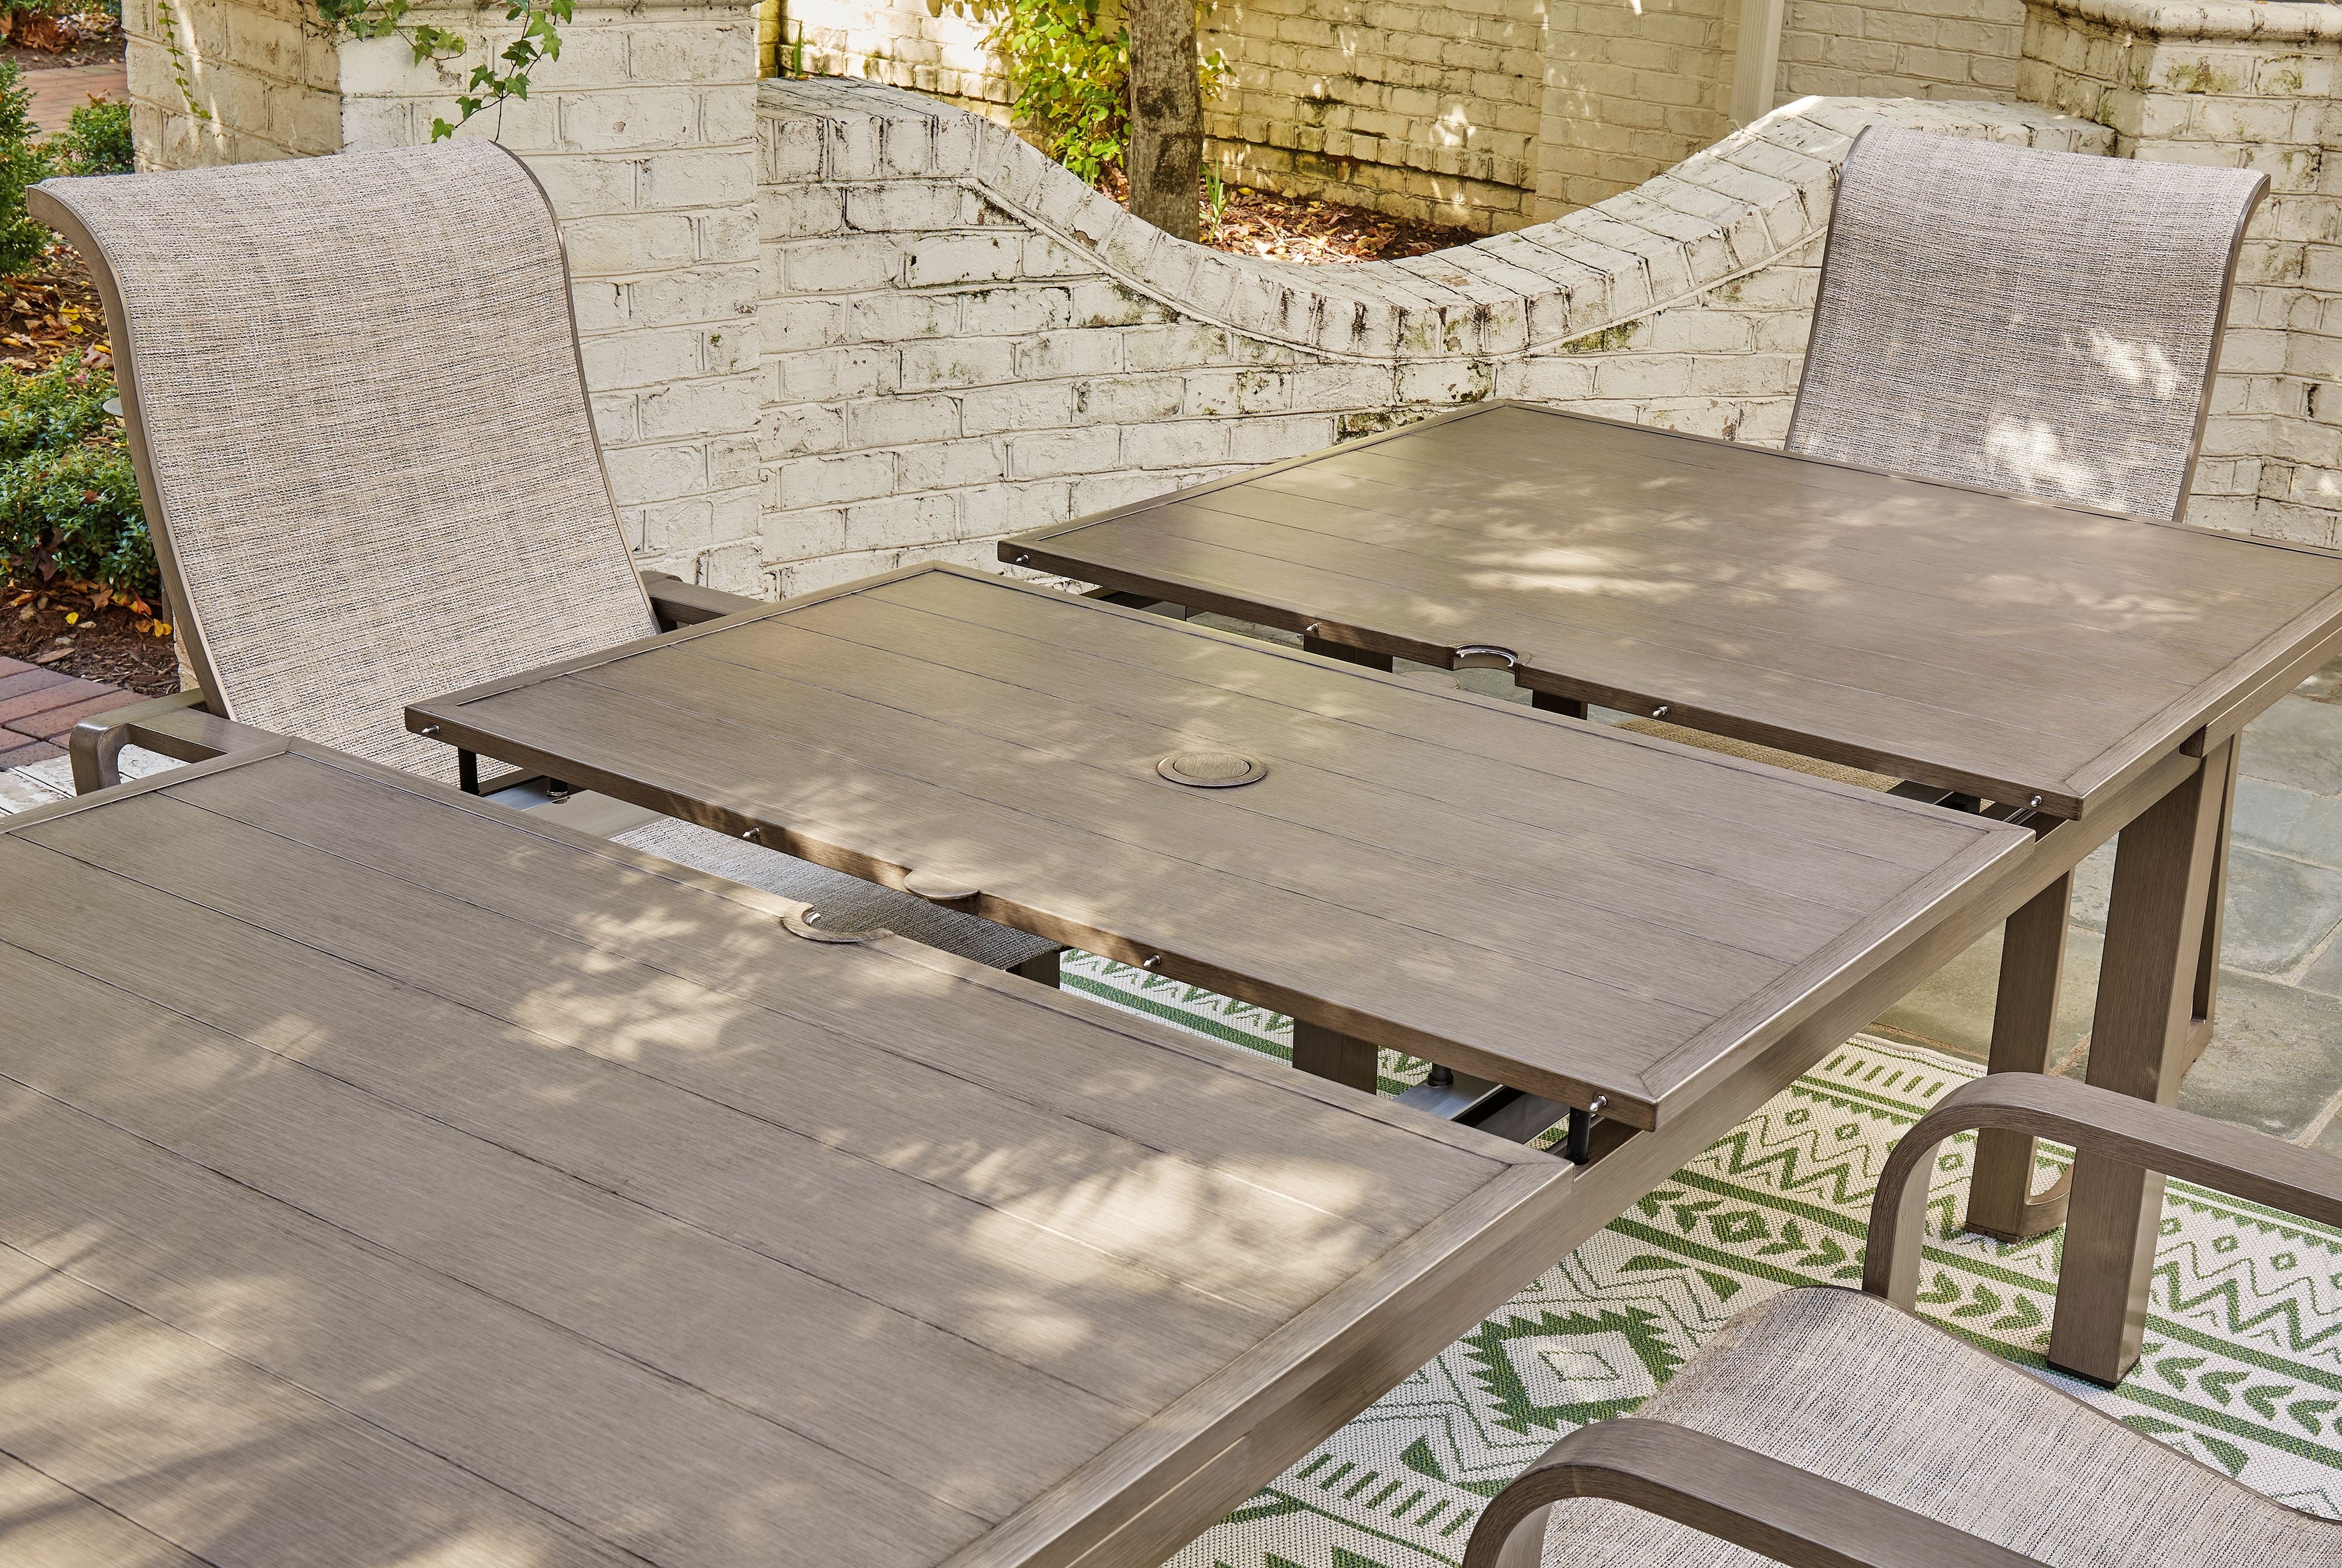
(100, 644)
(1299, 229)
(52, 313)
(1312, 231)
(39, 42)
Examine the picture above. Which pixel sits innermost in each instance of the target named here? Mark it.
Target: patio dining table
(395, 1178)
(2088, 669)
(1564, 914)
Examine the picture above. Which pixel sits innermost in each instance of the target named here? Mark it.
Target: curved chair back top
(2041, 322)
(354, 397)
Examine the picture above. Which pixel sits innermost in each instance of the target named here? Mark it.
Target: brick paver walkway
(39, 707)
(58, 90)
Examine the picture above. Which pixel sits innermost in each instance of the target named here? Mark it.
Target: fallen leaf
(73, 617)
(52, 656)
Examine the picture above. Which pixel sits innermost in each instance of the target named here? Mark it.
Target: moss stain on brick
(1609, 340)
(2198, 76)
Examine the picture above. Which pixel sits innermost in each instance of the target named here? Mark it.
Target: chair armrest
(2233, 1159)
(677, 603)
(177, 726)
(1721, 1489)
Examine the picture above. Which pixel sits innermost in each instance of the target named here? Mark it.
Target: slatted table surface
(2002, 647)
(1563, 907)
(391, 1181)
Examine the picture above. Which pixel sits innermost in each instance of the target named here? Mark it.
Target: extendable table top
(1574, 911)
(393, 1179)
(2005, 647)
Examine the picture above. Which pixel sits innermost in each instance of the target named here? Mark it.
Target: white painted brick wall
(263, 84)
(1037, 353)
(1630, 91)
(1914, 48)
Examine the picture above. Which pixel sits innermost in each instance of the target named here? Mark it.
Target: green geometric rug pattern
(2242, 1365)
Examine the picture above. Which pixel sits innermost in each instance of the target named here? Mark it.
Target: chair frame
(1801, 1519)
(188, 726)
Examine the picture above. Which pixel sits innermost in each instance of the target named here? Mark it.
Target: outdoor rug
(2242, 1366)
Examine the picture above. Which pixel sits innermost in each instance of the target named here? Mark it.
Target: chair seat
(1846, 1387)
(847, 902)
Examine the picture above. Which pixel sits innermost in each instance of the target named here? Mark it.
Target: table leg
(1041, 971)
(2138, 1045)
(2216, 900)
(1319, 1049)
(1344, 652)
(1554, 703)
(2001, 1200)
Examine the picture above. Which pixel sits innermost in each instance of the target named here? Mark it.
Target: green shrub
(22, 161)
(96, 141)
(68, 494)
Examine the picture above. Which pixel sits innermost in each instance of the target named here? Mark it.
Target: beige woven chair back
(354, 392)
(2040, 323)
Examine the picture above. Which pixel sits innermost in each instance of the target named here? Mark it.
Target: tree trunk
(1166, 116)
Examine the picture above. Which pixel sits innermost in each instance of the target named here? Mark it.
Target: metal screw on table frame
(428, 730)
(2033, 803)
(1152, 960)
(1311, 629)
(752, 834)
(1020, 560)
(1660, 711)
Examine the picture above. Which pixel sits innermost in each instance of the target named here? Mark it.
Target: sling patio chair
(356, 405)
(1828, 1428)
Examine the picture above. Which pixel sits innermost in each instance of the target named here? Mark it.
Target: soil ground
(1314, 232)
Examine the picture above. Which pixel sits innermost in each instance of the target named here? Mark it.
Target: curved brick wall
(961, 340)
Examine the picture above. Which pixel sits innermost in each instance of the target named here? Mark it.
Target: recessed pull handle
(1484, 656)
(938, 887)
